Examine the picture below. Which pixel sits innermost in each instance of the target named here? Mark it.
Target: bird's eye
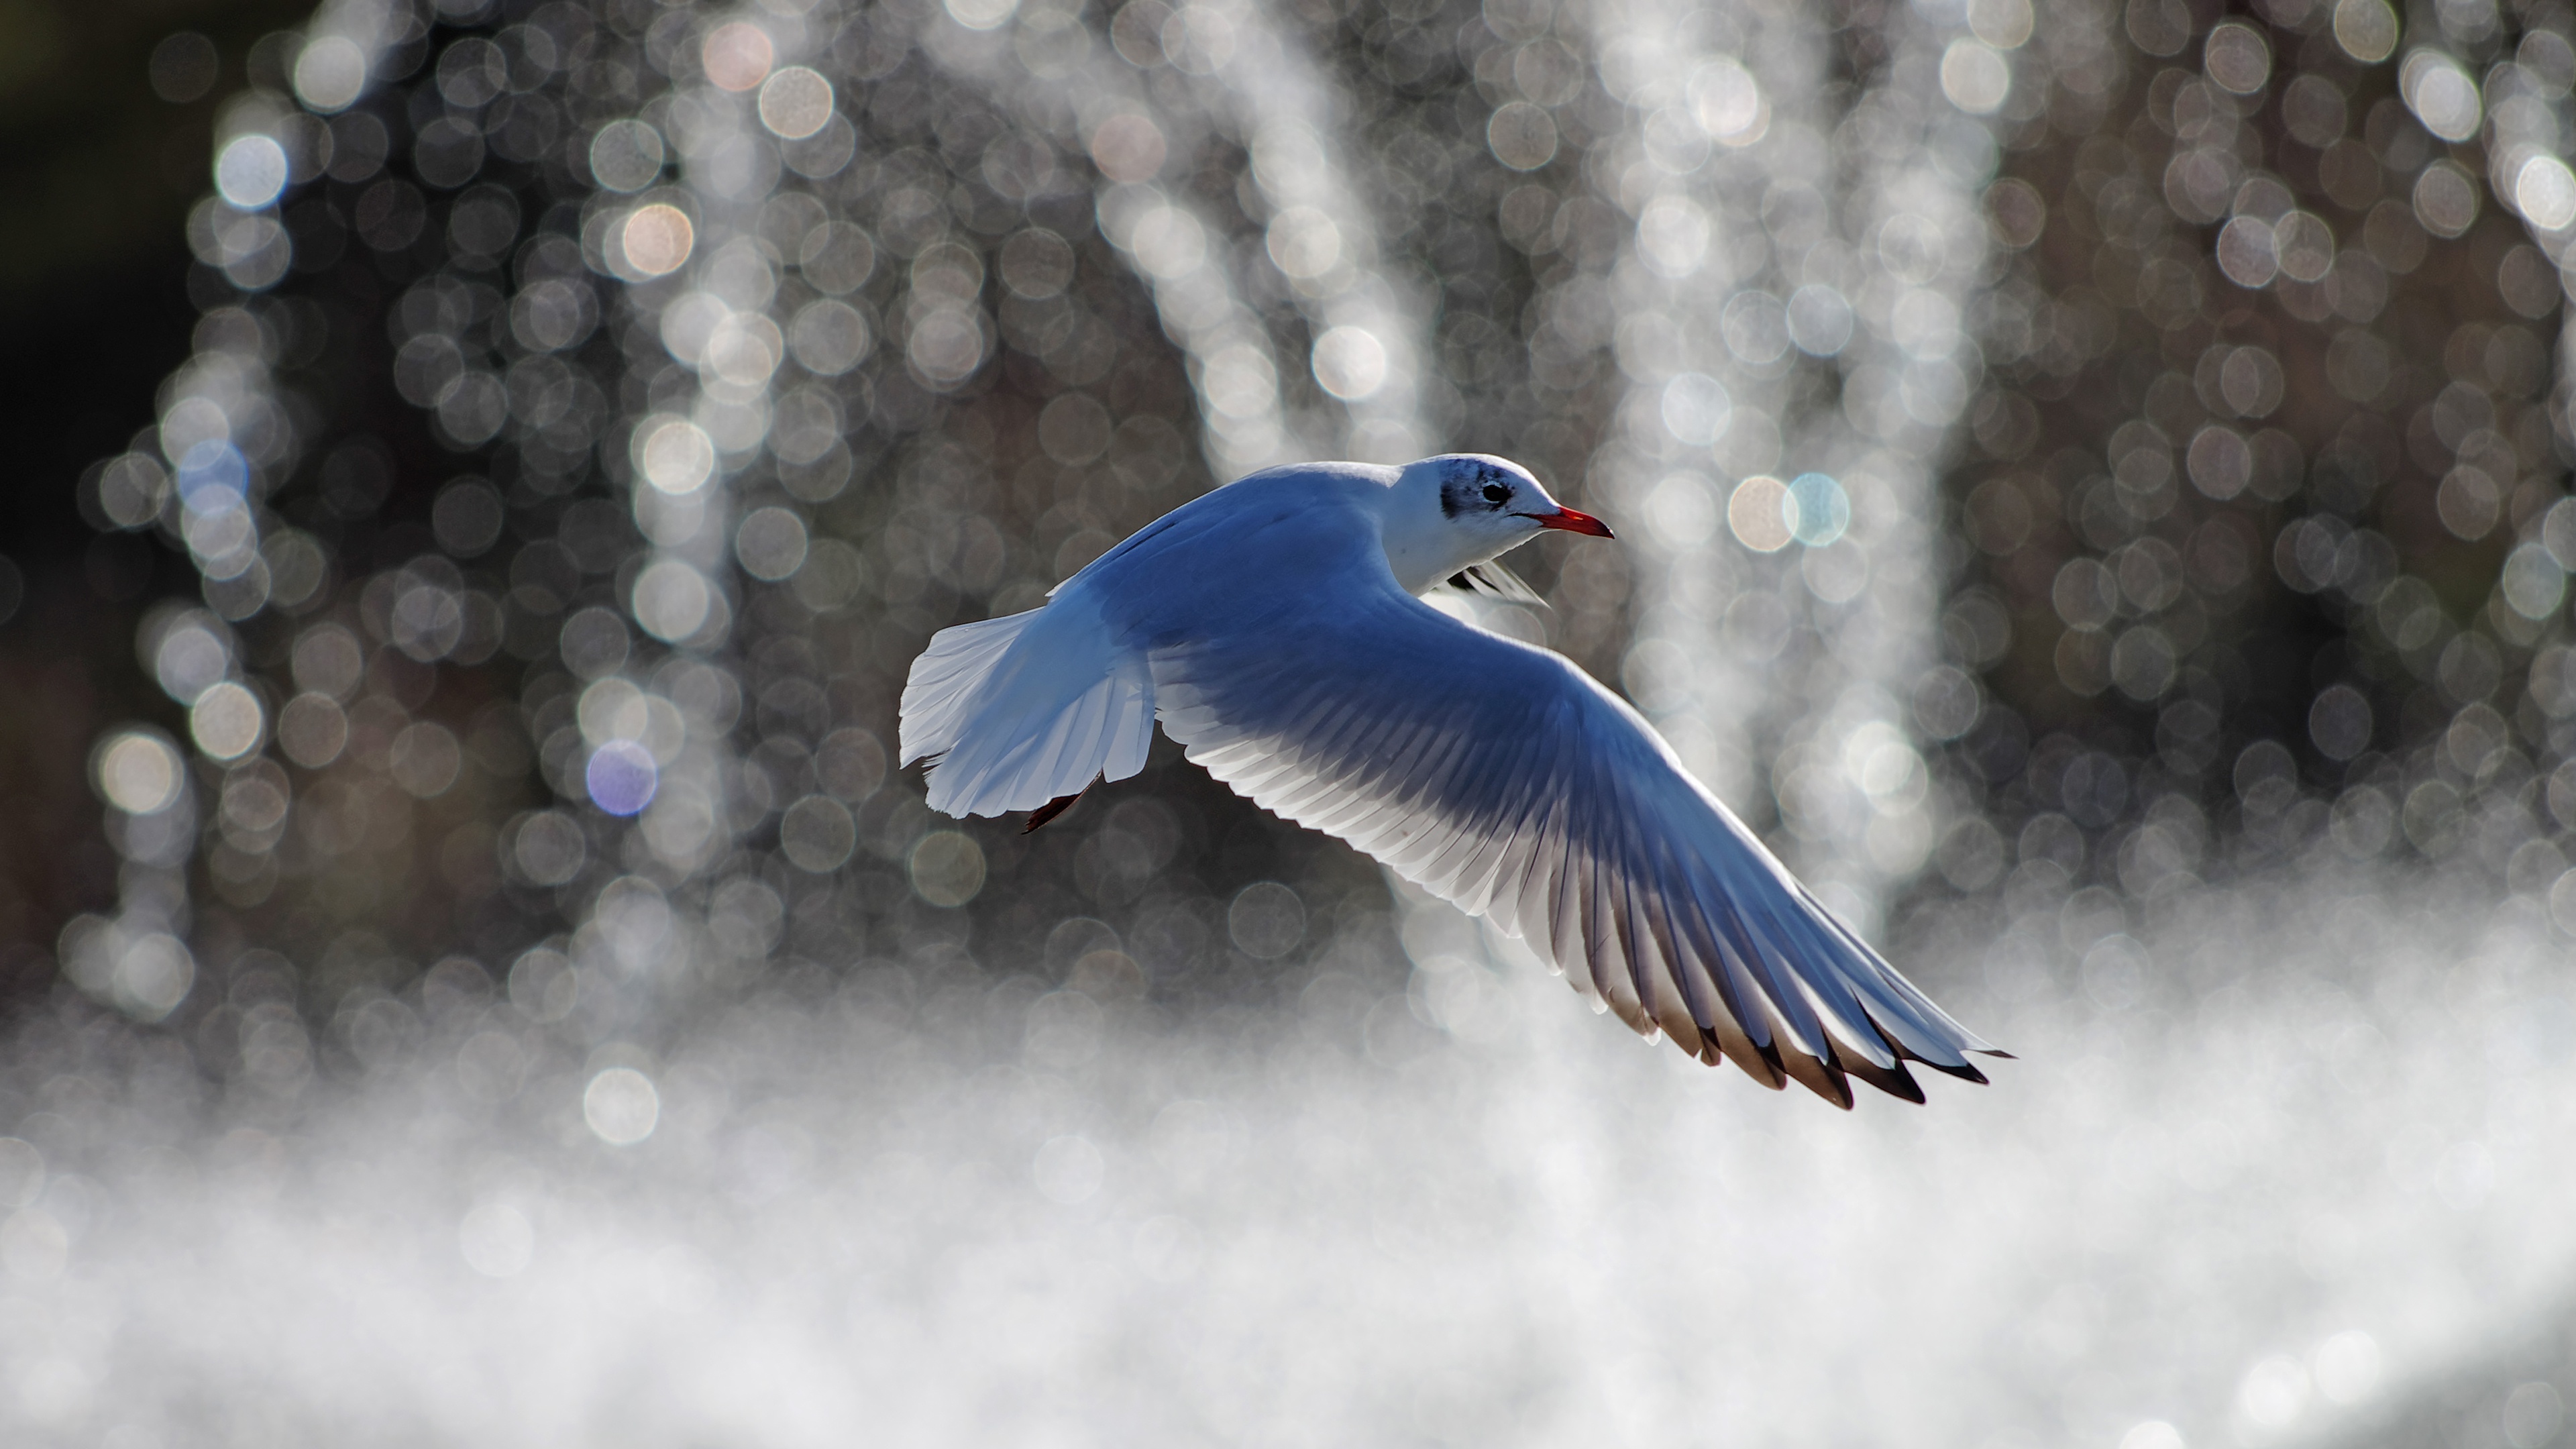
(1497, 493)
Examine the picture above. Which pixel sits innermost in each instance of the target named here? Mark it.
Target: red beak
(1573, 522)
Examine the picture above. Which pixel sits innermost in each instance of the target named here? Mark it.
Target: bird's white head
(1456, 510)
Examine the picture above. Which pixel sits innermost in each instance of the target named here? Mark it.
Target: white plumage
(1272, 626)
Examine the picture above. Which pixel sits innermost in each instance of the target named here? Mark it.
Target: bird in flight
(1274, 627)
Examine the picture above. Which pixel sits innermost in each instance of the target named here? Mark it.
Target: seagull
(1275, 627)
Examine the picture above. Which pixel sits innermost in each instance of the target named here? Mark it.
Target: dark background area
(94, 304)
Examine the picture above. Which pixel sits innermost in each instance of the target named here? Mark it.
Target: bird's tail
(1018, 711)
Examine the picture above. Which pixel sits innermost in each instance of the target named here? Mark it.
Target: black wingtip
(1050, 810)
(1996, 1052)
(1755, 1063)
(1769, 1052)
(1963, 1071)
(1822, 1076)
(1895, 1082)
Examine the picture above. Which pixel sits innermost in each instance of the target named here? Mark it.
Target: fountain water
(1792, 306)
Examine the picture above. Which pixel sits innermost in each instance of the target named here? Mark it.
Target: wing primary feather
(1825, 1077)
(1780, 991)
(1814, 1070)
(1705, 985)
(1837, 1010)
(1905, 1001)
(1767, 1048)
(1565, 931)
(1681, 983)
(1742, 956)
(1964, 1071)
(1894, 1080)
(1617, 894)
(1628, 917)
(1581, 948)
(1539, 894)
(1606, 939)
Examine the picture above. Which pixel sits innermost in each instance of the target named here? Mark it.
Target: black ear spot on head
(1470, 484)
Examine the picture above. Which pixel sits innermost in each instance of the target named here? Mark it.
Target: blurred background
(2091, 482)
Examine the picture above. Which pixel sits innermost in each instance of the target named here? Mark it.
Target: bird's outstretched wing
(1503, 779)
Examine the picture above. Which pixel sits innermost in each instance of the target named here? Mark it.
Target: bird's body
(1273, 627)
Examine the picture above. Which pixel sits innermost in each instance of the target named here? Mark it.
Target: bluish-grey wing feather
(1503, 779)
